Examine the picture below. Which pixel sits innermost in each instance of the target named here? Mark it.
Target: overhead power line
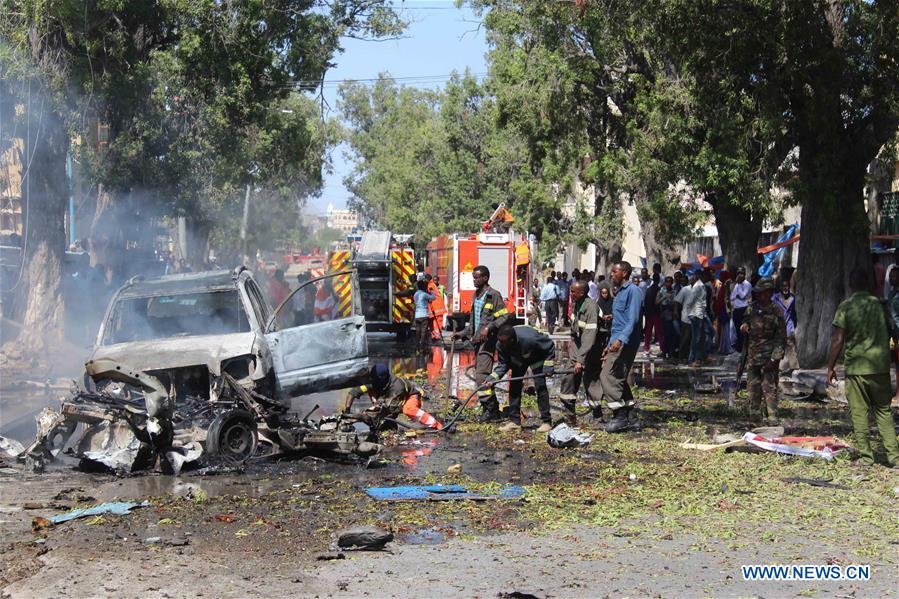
(405, 79)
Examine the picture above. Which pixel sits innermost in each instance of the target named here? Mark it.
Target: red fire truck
(508, 255)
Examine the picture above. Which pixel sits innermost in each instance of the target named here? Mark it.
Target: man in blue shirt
(619, 356)
(549, 295)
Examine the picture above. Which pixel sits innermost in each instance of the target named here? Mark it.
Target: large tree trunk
(607, 218)
(41, 285)
(832, 244)
(657, 251)
(738, 234)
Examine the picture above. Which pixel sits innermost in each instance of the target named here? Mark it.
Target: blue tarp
(119, 508)
(440, 493)
(767, 267)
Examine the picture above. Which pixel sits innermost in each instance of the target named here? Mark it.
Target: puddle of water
(423, 536)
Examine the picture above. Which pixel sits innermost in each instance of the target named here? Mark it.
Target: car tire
(233, 436)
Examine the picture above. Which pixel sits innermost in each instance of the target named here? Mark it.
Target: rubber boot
(633, 420)
(490, 413)
(569, 416)
(620, 421)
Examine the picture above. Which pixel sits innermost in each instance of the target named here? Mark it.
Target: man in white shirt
(739, 298)
(683, 316)
(695, 309)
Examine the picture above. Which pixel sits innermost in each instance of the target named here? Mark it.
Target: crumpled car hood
(178, 352)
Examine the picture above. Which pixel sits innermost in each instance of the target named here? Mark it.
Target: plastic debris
(366, 538)
(816, 447)
(119, 508)
(563, 435)
(440, 493)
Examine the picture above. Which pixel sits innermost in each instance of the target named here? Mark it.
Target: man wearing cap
(767, 338)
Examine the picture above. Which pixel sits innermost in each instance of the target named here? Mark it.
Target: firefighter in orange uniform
(437, 309)
(398, 394)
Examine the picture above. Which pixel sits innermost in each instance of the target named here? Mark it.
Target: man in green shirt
(860, 326)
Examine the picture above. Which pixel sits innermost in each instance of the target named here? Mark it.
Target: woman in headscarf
(605, 312)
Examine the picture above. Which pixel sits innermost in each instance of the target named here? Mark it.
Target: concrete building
(346, 221)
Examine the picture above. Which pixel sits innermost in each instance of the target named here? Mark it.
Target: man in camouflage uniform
(767, 332)
(585, 353)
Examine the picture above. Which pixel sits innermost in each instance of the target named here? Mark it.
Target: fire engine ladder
(521, 298)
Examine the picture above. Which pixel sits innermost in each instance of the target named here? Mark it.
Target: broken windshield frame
(130, 319)
(286, 300)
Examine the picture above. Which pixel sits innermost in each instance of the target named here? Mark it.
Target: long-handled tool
(452, 420)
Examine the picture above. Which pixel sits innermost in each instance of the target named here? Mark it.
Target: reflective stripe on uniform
(494, 376)
(364, 389)
(581, 323)
(500, 312)
(567, 397)
(590, 327)
(485, 392)
(488, 306)
(549, 363)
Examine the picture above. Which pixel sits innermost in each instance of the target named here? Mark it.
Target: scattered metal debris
(130, 422)
(10, 447)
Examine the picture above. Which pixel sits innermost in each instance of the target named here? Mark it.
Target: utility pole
(243, 223)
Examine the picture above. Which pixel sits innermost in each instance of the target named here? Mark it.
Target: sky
(439, 39)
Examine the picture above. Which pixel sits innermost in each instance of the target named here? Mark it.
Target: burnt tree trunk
(40, 288)
(738, 234)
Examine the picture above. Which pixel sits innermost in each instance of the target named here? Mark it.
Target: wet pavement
(275, 516)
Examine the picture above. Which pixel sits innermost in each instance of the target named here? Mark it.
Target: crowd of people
(691, 315)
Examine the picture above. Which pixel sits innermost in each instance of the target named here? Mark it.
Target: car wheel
(233, 436)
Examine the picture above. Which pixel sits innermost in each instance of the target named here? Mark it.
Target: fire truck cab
(507, 254)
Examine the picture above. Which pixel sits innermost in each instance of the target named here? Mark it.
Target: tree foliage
(195, 95)
(433, 162)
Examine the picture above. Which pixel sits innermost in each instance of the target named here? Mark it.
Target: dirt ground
(630, 515)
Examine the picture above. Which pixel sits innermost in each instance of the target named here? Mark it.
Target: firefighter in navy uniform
(396, 394)
(488, 313)
(586, 354)
(520, 348)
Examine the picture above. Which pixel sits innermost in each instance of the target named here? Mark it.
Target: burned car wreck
(196, 367)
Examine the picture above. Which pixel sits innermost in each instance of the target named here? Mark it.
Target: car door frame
(318, 356)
